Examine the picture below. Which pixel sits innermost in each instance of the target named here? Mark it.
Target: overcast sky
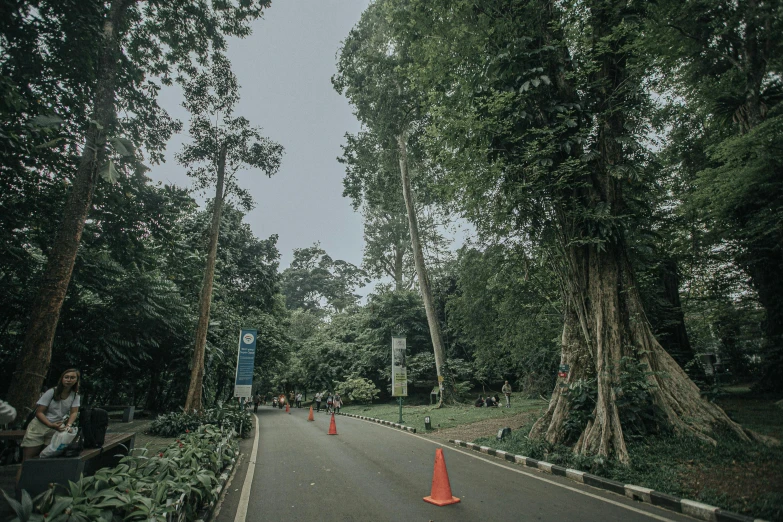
(284, 69)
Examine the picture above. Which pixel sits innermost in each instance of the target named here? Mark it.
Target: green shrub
(176, 423)
(143, 487)
(357, 389)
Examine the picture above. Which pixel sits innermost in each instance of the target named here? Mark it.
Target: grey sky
(284, 69)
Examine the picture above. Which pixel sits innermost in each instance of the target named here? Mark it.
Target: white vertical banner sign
(399, 370)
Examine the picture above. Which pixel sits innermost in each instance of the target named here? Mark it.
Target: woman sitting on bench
(57, 409)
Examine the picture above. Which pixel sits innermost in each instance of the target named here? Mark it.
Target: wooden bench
(127, 411)
(38, 473)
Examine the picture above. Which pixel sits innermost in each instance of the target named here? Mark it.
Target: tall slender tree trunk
(153, 394)
(399, 256)
(195, 391)
(33, 363)
(421, 270)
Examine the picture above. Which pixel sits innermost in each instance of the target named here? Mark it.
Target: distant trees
(315, 281)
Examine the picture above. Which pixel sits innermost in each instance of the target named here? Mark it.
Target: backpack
(94, 424)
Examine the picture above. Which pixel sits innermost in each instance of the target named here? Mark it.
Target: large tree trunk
(605, 325)
(33, 364)
(421, 270)
(764, 267)
(672, 335)
(195, 391)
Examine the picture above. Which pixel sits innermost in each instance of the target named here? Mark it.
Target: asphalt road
(371, 472)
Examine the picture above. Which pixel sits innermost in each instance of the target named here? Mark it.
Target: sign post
(246, 360)
(399, 370)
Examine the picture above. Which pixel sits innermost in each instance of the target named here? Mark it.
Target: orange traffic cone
(287, 408)
(441, 489)
(310, 418)
(332, 427)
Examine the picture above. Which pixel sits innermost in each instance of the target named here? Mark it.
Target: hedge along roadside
(172, 424)
(173, 485)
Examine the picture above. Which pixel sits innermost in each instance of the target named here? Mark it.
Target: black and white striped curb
(380, 421)
(656, 498)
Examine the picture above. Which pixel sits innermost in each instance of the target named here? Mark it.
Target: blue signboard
(246, 361)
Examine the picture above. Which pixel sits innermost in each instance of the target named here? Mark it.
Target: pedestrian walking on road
(281, 401)
(337, 403)
(329, 403)
(318, 402)
(256, 402)
(299, 400)
(506, 389)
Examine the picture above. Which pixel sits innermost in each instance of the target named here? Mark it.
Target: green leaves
(176, 481)
(46, 121)
(123, 146)
(108, 172)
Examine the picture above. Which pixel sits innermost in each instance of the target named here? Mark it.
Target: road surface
(372, 472)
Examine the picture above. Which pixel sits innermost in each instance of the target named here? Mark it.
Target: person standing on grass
(56, 410)
(506, 389)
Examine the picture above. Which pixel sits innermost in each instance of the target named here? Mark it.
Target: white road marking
(471, 453)
(244, 497)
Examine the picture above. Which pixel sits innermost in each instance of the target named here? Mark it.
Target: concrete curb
(210, 511)
(641, 494)
(224, 490)
(380, 421)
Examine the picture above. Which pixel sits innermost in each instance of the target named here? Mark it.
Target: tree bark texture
(672, 335)
(33, 364)
(604, 320)
(765, 272)
(195, 391)
(421, 270)
(399, 255)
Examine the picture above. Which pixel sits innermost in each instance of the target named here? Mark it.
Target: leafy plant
(180, 479)
(357, 389)
(582, 395)
(176, 423)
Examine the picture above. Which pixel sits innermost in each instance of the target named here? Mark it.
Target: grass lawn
(444, 417)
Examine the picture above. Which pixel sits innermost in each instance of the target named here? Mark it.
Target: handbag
(59, 443)
(75, 448)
